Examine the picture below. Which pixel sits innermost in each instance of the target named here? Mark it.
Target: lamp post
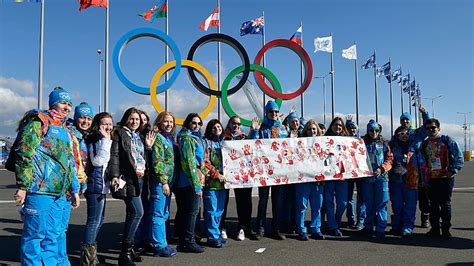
(324, 94)
(432, 102)
(99, 52)
(465, 127)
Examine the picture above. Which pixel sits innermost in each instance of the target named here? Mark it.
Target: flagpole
(401, 89)
(106, 63)
(332, 79)
(166, 54)
(376, 93)
(301, 73)
(219, 63)
(357, 87)
(415, 100)
(263, 58)
(391, 100)
(40, 70)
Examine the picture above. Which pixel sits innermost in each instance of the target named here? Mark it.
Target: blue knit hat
(373, 125)
(59, 96)
(292, 116)
(83, 109)
(303, 122)
(350, 123)
(271, 105)
(406, 115)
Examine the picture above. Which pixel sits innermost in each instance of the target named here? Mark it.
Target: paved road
(351, 249)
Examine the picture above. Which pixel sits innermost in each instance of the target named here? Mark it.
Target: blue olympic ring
(145, 32)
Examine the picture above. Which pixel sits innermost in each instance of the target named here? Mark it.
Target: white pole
(333, 107)
(100, 80)
(166, 54)
(106, 72)
(263, 58)
(40, 72)
(219, 63)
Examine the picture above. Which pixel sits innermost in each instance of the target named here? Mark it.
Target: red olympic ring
(306, 63)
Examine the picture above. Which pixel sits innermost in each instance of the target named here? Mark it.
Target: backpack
(12, 155)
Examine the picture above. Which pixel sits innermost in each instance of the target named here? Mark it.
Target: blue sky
(431, 39)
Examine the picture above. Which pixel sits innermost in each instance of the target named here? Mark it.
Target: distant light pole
(99, 51)
(324, 94)
(465, 127)
(432, 102)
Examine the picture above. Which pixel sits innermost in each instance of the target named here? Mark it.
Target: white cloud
(23, 87)
(14, 106)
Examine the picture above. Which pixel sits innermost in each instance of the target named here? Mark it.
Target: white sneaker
(241, 235)
(224, 234)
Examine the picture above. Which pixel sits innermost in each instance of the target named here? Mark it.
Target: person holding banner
(161, 181)
(335, 188)
(243, 196)
(311, 192)
(270, 128)
(375, 188)
(214, 190)
(189, 183)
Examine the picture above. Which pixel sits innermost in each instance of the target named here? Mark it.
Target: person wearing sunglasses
(417, 135)
(189, 183)
(270, 128)
(335, 189)
(243, 196)
(355, 215)
(440, 159)
(403, 184)
(375, 188)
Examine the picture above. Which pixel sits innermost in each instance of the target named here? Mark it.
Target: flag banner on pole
(212, 21)
(21, 1)
(267, 162)
(297, 36)
(254, 26)
(418, 91)
(396, 75)
(88, 3)
(384, 70)
(370, 62)
(350, 53)
(158, 11)
(405, 82)
(323, 44)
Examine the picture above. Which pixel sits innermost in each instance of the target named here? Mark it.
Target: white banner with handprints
(267, 162)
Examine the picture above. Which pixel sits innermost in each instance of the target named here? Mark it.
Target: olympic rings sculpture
(210, 90)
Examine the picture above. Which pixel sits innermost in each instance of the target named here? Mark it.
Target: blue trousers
(403, 206)
(376, 202)
(355, 212)
(134, 213)
(62, 247)
(41, 229)
(188, 205)
(312, 193)
(214, 202)
(277, 203)
(338, 189)
(159, 210)
(95, 216)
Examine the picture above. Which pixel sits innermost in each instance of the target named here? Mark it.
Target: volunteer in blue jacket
(375, 188)
(161, 182)
(98, 144)
(270, 128)
(335, 188)
(46, 168)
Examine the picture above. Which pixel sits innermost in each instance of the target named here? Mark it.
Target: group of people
(57, 159)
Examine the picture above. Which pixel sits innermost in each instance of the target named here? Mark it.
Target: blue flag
(254, 26)
(370, 62)
(396, 75)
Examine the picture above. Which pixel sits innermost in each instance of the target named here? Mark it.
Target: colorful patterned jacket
(269, 130)
(444, 150)
(380, 156)
(49, 160)
(191, 151)
(82, 147)
(404, 167)
(213, 163)
(163, 159)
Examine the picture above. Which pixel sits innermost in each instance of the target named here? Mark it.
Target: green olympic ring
(253, 67)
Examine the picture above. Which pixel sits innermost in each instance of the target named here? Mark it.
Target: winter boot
(125, 258)
(425, 220)
(87, 255)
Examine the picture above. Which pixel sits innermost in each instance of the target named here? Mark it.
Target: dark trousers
(224, 214)
(243, 200)
(134, 213)
(188, 204)
(440, 192)
(424, 201)
(277, 199)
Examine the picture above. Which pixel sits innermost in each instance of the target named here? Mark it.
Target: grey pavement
(349, 250)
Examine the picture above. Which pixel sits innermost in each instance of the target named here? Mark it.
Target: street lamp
(324, 94)
(465, 127)
(99, 52)
(432, 102)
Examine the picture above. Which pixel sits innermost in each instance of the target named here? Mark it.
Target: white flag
(350, 53)
(323, 44)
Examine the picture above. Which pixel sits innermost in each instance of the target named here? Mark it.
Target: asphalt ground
(352, 249)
